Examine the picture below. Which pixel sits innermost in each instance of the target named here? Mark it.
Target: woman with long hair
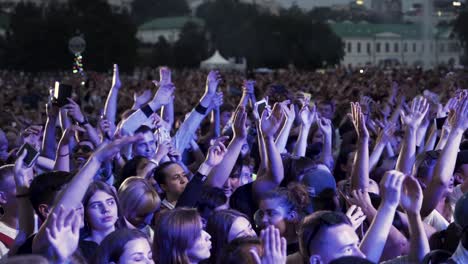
(179, 237)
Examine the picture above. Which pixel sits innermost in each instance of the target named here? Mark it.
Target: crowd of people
(340, 165)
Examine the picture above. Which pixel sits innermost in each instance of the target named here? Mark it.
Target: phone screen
(61, 93)
(31, 156)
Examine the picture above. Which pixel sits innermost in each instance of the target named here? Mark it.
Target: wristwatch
(85, 121)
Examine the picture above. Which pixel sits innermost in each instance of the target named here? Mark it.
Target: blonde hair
(135, 193)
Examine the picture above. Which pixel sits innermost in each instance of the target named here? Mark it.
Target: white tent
(216, 62)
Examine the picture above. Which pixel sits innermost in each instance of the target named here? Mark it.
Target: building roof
(406, 31)
(170, 23)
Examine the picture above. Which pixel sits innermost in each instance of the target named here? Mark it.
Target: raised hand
(289, 112)
(415, 115)
(385, 131)
(270, 124)
(174, 155)
(324, 125)
(212, 81)
(248, 87)
(308, 115)
(107, 151)
(63, 232)
(116, 77)
(164, 76)
(217, 100)
(239, 126)
(141, 98)
(164, 94)
(274, 247)
(69, 133)
(32, 136)
(107, 129)
(411, 195)
(356, 216)
(216, 152)
(390, 188)
(359, 121)
(365, 103)
(23, 175)
(162, 150)
(459, 119)
(359, 198)
(74, 111)
(52, 111)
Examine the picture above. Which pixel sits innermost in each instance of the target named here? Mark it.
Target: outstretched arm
(374, 241)
(411, 121)
(308, 116)
(360, 170)
(110, 108)
(411, 201)
(274, 173)
(445, 165)
(283, 136)
(221, 172)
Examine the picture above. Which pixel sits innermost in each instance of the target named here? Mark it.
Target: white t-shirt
(436, 220)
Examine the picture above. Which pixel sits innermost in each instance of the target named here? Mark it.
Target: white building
(167, 27)
(377, 44)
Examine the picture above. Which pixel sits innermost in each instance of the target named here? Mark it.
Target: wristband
(147, 110)
(64, 155)
(201, 109)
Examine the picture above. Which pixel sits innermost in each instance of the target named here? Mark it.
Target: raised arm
(308, 116)
(384, 135)
(167, 111)
(48, 142)
(360, 170)
(411, 201)
(411, 121)
(274, 173)
(326, 156)
(74, 111)
(23, 177)
(445, 165)
(188, 128)
(221, 172)
(375, 238)
(162, 97)
(282, 138)
(110, 108)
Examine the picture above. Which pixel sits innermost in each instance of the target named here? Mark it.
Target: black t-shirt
(88, 249)
(243, 201)
(26, 247)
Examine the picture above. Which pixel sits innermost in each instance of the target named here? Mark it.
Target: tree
(191, 48)
(240, 30)
(461, 30)
(145, 10)
(37, 39)
(162, 53)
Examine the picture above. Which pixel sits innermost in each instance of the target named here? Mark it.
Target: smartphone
(31, 156)
(261, 105)
(61, 94)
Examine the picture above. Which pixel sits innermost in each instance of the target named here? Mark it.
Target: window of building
(377, 47)
(368, 48)
(414, 47)
(349, 47)
(387, 47)
(395, 47)
(422, 47)
(358, 48)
